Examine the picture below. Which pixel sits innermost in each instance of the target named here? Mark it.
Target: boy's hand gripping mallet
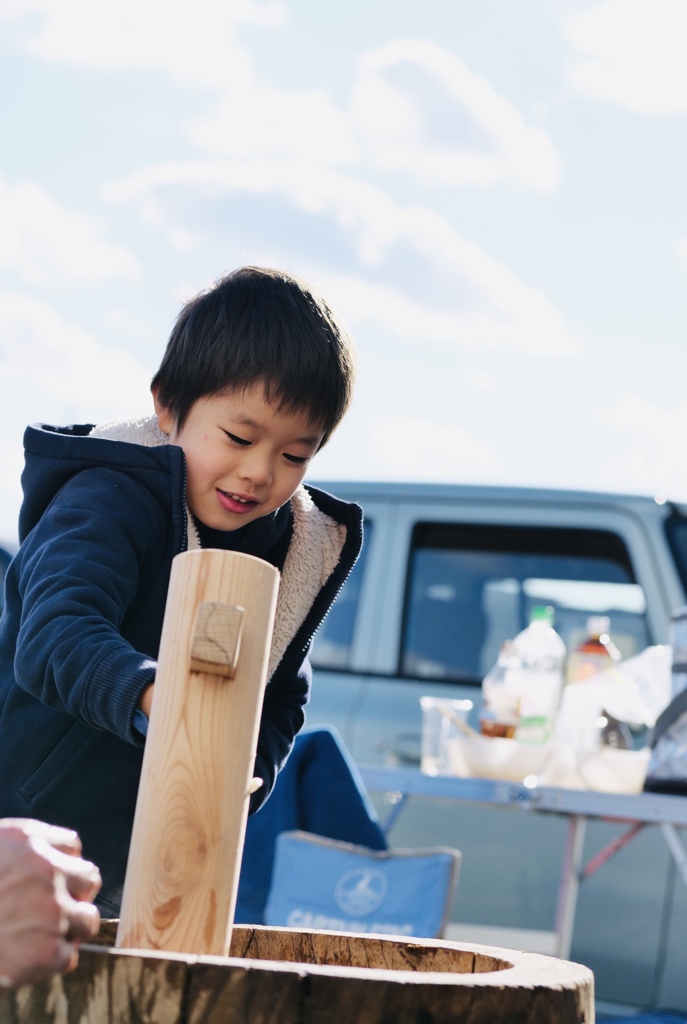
(185, 855)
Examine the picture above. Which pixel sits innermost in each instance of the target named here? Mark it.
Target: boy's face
(244, 457)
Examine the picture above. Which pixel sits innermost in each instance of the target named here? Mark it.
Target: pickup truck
(446, 575)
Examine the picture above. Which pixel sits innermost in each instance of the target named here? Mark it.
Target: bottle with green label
(541, 653)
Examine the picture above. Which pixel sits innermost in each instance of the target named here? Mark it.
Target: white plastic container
(486, 757)
(541, 653)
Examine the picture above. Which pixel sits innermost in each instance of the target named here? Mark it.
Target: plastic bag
(636, 691)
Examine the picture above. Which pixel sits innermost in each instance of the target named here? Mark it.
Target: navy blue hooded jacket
(100, 523)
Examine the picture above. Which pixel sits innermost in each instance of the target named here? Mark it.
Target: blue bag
(321, 883)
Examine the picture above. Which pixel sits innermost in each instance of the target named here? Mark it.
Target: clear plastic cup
(438, 730)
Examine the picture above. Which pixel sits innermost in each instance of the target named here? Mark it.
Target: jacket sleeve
(78, 574)
(283, 716)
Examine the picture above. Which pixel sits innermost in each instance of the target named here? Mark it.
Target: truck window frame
(561, 542)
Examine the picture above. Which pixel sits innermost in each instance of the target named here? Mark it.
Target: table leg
(569, 885)
(676, 848)
(611, 849)
(398, 802)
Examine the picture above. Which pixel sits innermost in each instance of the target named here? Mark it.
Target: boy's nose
(256, 467)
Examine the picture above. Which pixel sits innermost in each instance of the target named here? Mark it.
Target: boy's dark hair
(258, 324)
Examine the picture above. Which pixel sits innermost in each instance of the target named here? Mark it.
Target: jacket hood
(52, 455)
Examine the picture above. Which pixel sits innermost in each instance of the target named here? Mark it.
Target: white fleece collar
(313, 554)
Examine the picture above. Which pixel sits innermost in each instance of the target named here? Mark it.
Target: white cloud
(129, 324)
(481, 381)
(431, 450)
(514, 317)
(55, 370)
(680, 250)
(633, 54)
(271, 122)
(48, 244)
(653, 455)
(403, 268)
(420, 109)
(194, 43)
(415, 106)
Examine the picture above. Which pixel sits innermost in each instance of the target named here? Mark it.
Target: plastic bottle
(595, 654)
(598, 653)
(501, 695)
(541, 652)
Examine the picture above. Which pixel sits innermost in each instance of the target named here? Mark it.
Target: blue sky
(492, 195)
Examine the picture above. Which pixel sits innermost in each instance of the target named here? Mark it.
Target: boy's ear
(165, 419)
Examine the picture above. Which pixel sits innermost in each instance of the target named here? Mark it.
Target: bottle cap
(597, 625)
(543, 613)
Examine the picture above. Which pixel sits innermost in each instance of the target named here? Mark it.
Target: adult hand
(45, 894)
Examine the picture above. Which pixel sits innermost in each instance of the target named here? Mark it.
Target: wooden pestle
(187, 841)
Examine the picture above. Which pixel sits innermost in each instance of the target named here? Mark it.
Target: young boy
(256, 376)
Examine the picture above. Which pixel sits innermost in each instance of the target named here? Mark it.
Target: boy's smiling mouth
(236, 502)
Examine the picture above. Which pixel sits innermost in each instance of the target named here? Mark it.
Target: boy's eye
(237, 440)
(299, 460)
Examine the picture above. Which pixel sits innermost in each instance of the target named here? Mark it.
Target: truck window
(470, 588)
(676, 532)
(334, 639)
